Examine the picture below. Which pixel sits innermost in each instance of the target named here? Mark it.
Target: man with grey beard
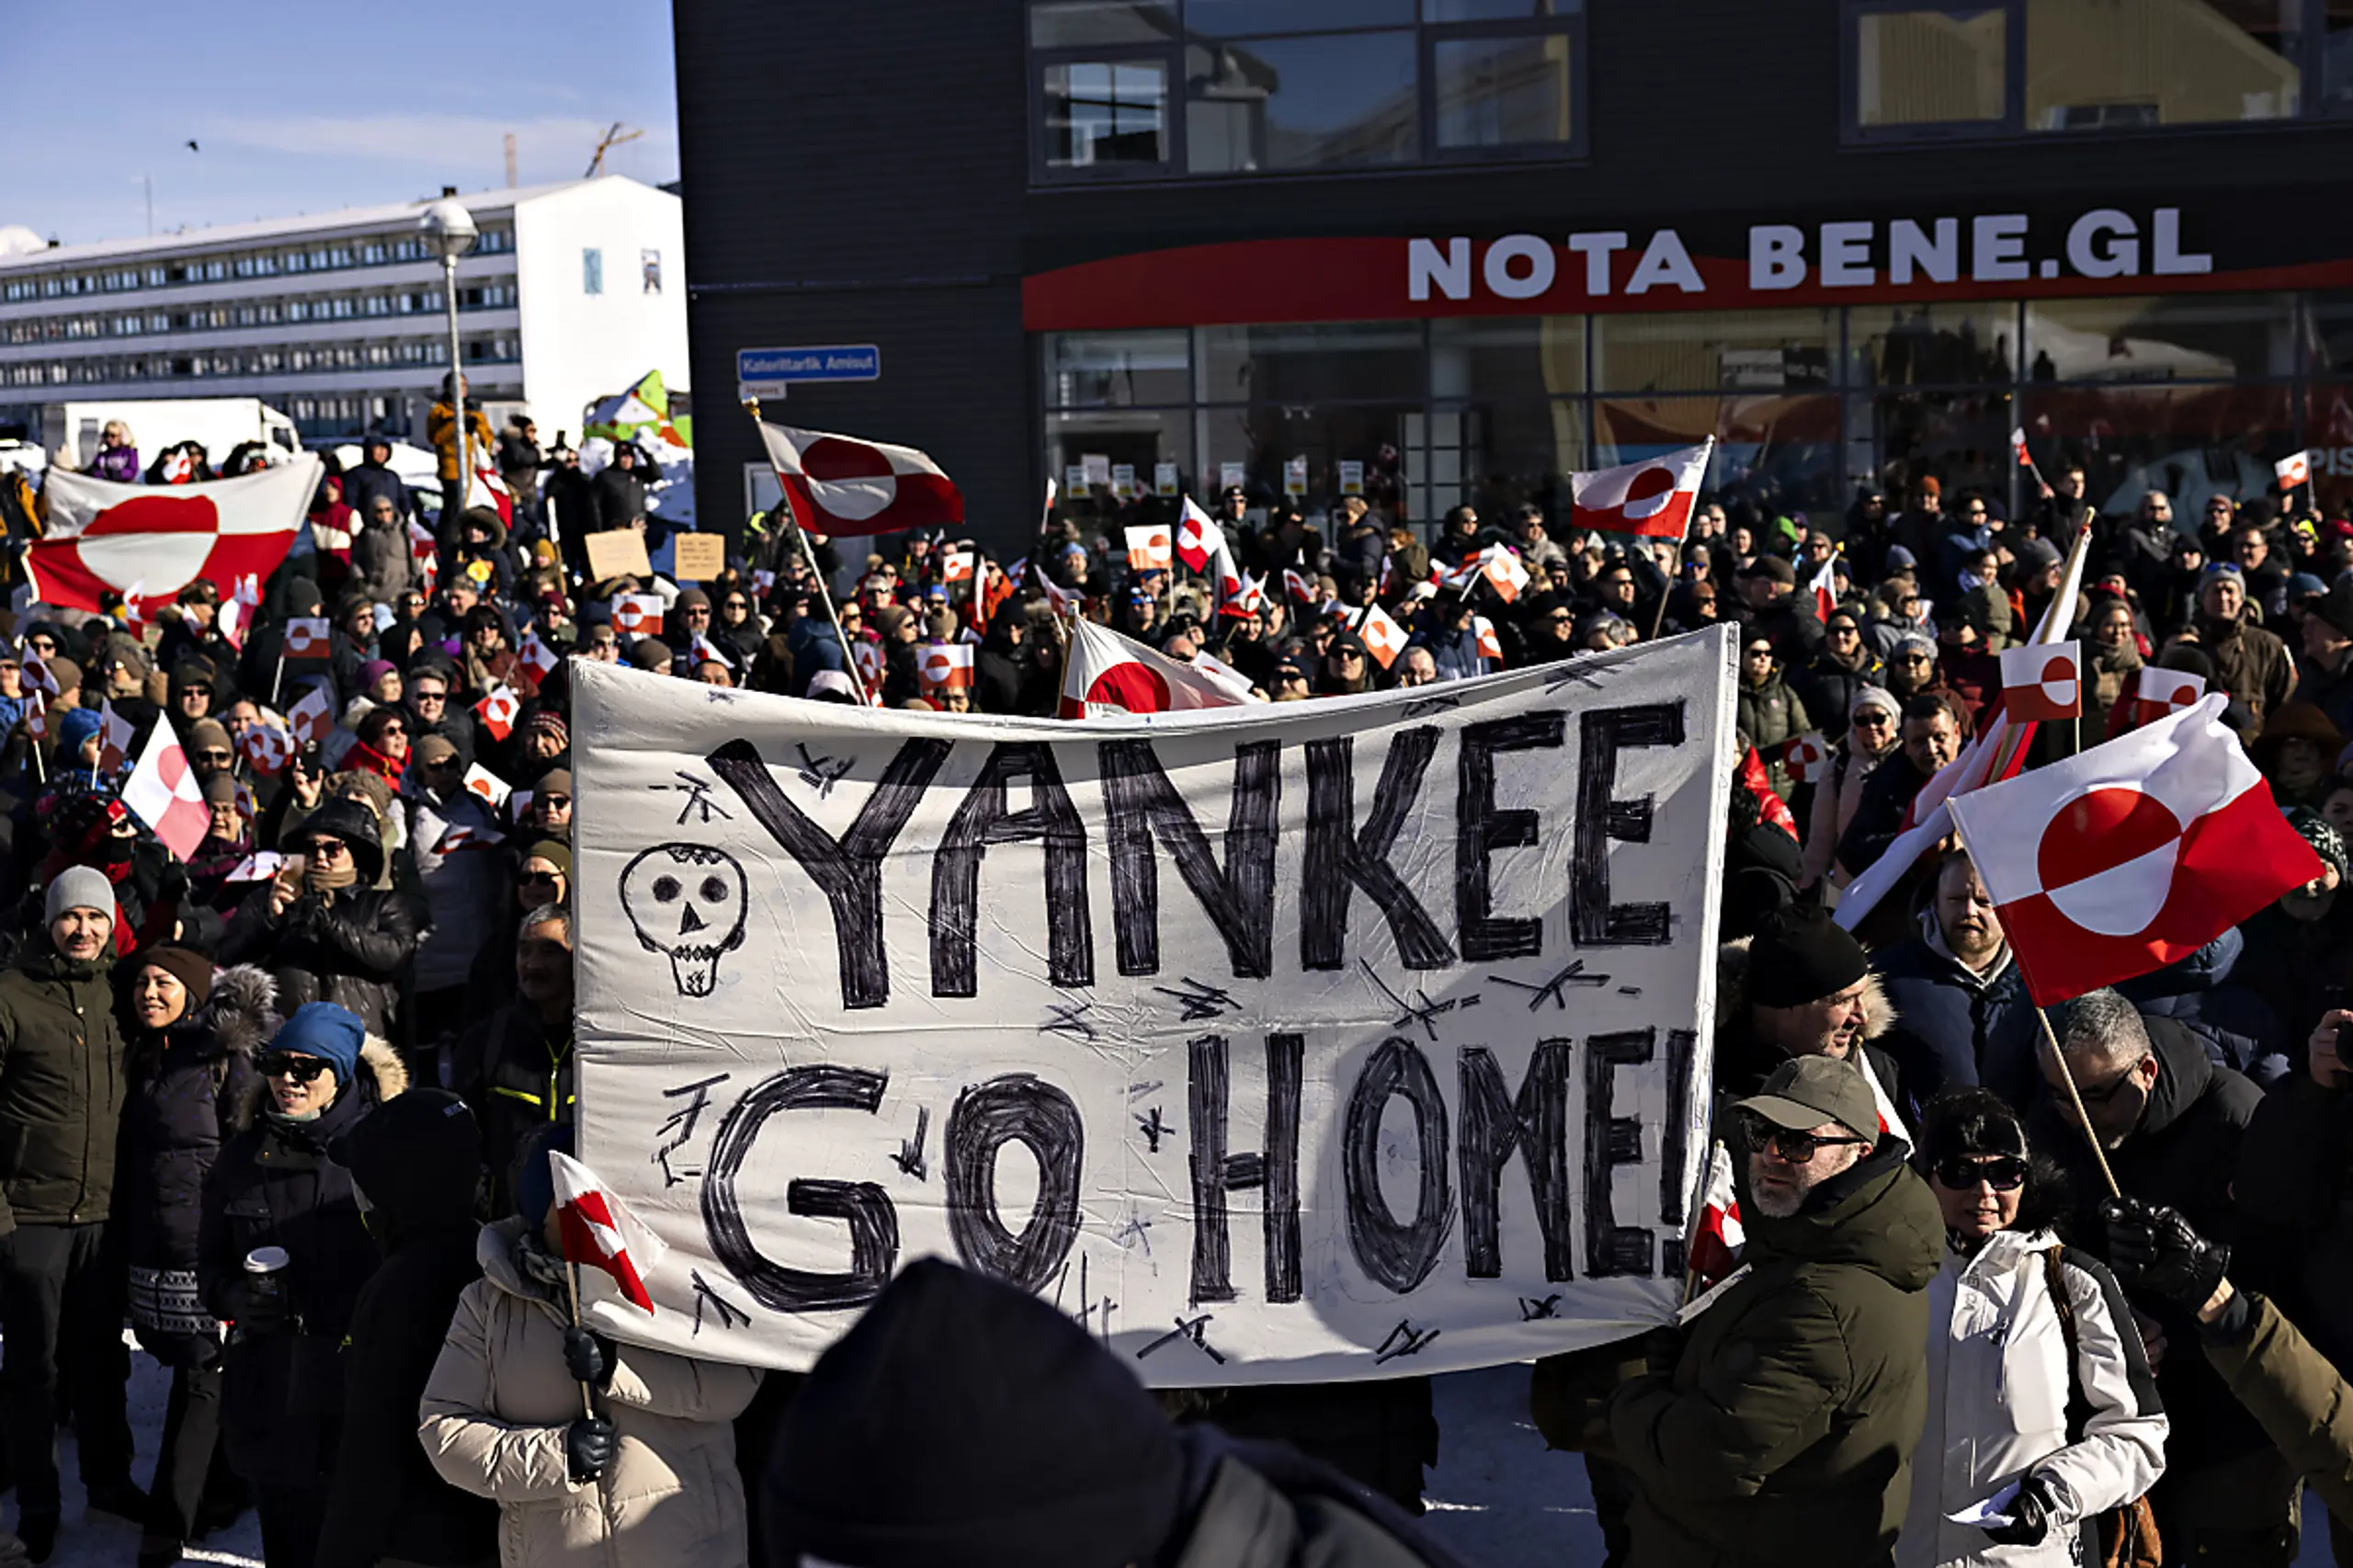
(1777, 1426)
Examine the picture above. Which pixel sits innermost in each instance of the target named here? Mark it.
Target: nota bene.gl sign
(1706, 261)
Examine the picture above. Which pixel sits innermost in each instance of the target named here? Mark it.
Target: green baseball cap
(1806, 1091)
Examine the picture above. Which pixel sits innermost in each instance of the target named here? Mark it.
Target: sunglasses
(555, 802)
(1797, 1148)
(422, 697)
(1872, 720)
(326, 849)
(2105, 1092)
(536, 879)
(220, 756)
(284, 1065)
(2003, 1173)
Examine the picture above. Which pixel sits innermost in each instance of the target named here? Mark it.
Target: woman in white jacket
(1999, 1383)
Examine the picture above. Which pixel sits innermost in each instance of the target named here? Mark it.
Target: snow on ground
(1498, 1498)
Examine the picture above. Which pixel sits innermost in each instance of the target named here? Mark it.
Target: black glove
(1662, 1351)
(587, 1358)
(257, 1310)
(588, 1449)
(2031, 1513)
(2156, 1251)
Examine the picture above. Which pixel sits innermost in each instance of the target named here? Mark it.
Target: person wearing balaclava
(282, 1253)
(647, 1479)
(61, 1086)
(963, 1421)
(322, 927)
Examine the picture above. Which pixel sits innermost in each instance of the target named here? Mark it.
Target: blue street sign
(781, 367)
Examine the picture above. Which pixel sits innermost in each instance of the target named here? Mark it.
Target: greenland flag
(1652, 497)
(2294, 469)
(2041, 681)
(165, 793)
(600, 1233)
(107, 538)
(1199, 540)
(2163, 691)
(840, 485)
(1106, 674)
(2132, 856)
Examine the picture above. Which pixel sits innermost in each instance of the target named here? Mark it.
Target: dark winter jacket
(2295, 1186)
(517, 1074)
(1878, 818)
(1784, 1434)
(619, 498)
(1743, 1062)
(1770, 714)
(364, 481)
(192, 1089)
(281, 1403)
(1262, 1506)
(386, 1501)
(2290, 1387)
(382, 564)
(60, 1089)
(2185, 1153)
(1957, 1028)
(2250, 664)
(352, 951)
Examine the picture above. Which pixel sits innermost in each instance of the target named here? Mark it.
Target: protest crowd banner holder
(1351, 1039)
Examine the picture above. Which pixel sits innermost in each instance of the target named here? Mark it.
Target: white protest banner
(1350, 1038)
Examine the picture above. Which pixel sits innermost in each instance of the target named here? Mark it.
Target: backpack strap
(2054, 1277)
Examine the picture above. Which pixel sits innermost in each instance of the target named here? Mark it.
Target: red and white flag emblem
(1824, 589)
(537, 656)
(2018, 448)
(1199, 540)
(1807, 757)
(2132, 856)
(425, 551)
(1653, 498)
(600, 1233)
(489, 786)
(306, 637)
(1502, 571)
(36, 716)
(38, 676)
(839, 485)
(1383, 637)
(1149, 549)
(1106, 673)
(2041, 681)
(103, 536)
(312, 719)
(637, 615)
(164, 792)
(115, 734)
(873, 664)
(1300, 588)
(2294, 469)
(955, 565)
(267, 748)
(2163, 691)
(1490, 645)
(498, 710)
(945, 667)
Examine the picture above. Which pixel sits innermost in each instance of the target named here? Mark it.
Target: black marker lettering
(1340, 858)
(873, 1223)
(1595, 922)
(1016, 1107)
(1217, 1173)
(1397, 1256)
(1609, 1142)
(1139, 802)
(982, 821)
(848, 869)
(1536, 1126)
(1480, 829)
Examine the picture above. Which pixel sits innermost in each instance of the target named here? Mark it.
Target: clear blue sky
(309, 107)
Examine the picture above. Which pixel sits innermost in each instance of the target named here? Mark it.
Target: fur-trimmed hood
(377, 1059)
(1731, 994)
(242, 1013)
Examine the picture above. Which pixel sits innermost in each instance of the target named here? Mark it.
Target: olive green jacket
(2300, 1399)
(61, 1091)
(1785, 1433)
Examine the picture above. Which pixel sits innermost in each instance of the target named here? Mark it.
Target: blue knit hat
(332, 1034)
(76, 725)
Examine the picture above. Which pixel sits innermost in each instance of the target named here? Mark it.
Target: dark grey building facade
(1448, 251)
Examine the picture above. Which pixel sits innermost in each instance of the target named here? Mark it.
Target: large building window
(1187, 88)
(2059, 67)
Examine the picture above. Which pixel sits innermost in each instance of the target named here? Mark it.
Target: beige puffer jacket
(493, 1422)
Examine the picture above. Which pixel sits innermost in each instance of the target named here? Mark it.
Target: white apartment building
(573, 291)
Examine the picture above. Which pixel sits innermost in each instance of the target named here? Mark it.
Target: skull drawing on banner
(688, 901)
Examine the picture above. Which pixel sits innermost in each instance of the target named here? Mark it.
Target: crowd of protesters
(284, 1106)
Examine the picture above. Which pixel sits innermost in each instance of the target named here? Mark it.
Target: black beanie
(963, 1421)
(1801, 956)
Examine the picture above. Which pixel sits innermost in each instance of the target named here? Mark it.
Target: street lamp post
(450, 229)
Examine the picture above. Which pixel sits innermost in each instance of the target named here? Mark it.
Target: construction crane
(612, 138)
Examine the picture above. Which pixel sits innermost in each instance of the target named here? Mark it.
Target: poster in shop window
(1350, 1038)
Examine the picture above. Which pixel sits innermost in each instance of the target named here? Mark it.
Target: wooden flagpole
(824, 592)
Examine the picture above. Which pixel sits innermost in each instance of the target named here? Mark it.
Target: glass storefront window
(1135, 441)
(2188, 441)
(1507, 355)
(1337, 101)
(1366, 360)
(1235, 18)
(1093, 369)
(2332, 333)
(1936, 345)
(1106, 113)
(1266, 438)
(2161, 338)
(1496, 454)
(1780, 452)
(1503, 92)
(1703, 350)
(2337, 56)
(1930, 67)
(1091, 24)
(1499, 10)
(2091, 64)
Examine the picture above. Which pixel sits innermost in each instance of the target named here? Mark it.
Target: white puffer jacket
(1997, 1403)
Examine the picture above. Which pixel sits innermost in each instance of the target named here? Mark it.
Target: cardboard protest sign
(618, 552)
(1351, 1038)
(700, 557)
